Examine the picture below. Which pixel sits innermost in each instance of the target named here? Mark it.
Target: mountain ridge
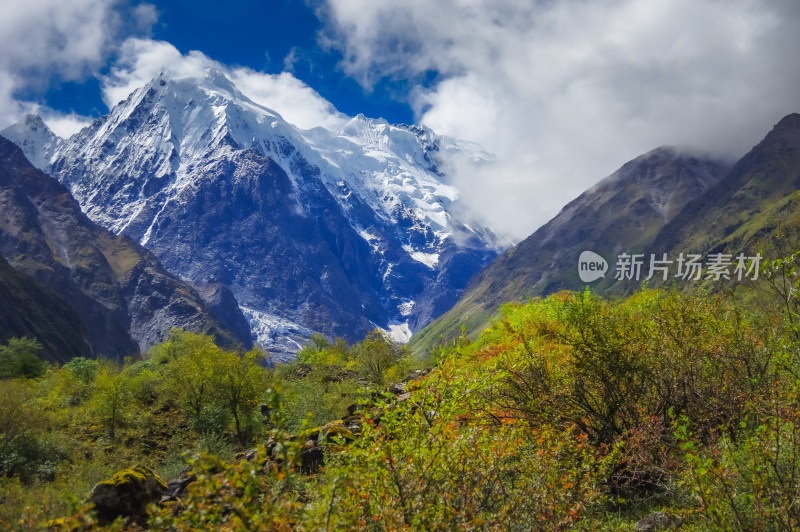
(621, 213)
(735, 212)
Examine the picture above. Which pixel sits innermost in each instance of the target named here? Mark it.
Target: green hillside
(662, 202)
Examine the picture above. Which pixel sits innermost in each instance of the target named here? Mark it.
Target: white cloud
(12, 109)
(63, 124)
(294, 100)
(68, 38)
(42, 40)
(140, 60)
(565, 92)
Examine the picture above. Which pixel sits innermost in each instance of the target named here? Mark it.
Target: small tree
(191, 363)
(239, 382)
(19, 358)
(376, 354)
(112, 397)
(78, 378)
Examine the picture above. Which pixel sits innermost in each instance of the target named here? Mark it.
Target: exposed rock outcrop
(125, 299)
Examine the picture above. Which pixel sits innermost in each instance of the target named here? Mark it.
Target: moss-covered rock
(128, 492)
(310, 434)
(336, 429)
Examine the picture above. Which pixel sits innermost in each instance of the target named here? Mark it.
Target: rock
(657, 521)
(336, 429)
(246, 455)
(128, 493)
(225, 308)
(354, 426)
(310, 434)
(311, 457)
(403, 397)
(417, 374)
(397, 388)
(276, 451)
(176, 487)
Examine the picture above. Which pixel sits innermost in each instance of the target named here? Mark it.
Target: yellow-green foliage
(569, 412)
(376, 359)
(610, 367)
(333, 372)
(74, 426)
(136, 477)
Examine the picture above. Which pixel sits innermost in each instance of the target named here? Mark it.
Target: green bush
(608, 367)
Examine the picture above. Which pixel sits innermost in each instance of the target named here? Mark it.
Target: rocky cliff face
(125, 299)
(336, 232)
(28, 308)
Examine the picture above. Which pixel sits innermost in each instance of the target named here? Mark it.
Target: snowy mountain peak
(212, 85)
(318, 230)
(37, 141)
(415, 144)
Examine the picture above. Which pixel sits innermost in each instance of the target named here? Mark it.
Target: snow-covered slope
(37, 141)
(313, 230)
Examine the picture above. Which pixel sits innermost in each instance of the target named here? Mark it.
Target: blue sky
(561, 92)
(268, 36)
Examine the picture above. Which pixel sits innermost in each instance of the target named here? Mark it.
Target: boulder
(336, 429)
(397, 388)
(354, 425)
(128, 493)
(417, 374)
(403, 397)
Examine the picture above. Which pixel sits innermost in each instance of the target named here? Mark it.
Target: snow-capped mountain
(313, 230)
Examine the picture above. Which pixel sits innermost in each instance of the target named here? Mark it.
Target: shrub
(19, 358)
(750, 483)
(607, 367)
(112, 398)
(434, 464)
(376, 355)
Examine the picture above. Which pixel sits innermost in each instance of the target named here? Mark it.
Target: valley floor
(658, 411)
